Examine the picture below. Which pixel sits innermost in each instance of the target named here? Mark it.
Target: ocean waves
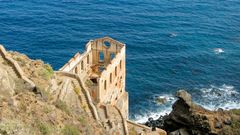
(210, 97)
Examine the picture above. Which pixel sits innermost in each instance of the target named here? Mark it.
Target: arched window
(120, 64)
(112, 55)
(105, 85)
(76, 69)
(101, 56)
(110, 77)
(115, 71)
(88, 59)
(107, 44)
(82, 66)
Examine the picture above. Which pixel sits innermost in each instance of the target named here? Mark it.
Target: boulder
(188, 118)
(185, 96)
(161, 100)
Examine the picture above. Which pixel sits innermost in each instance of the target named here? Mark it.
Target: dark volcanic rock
(188, 118)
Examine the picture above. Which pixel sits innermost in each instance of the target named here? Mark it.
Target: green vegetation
(88, 83)
(20, 60)
(235, 124)
(77, 90)
(9, 127)
(235, 111)
(5, 62)
(46, 109)
(62, 106)
(70, 130)
(44, 128)
(81, 119)
(47, 72)
(22, 105)
(132, 131)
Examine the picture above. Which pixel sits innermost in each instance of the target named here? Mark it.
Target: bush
(89, 83)
(47, 72)
(62, 106)
(132, 131)
(70, 130)
(77, 90)
(81, 119)
(235, 111)
(44, 128)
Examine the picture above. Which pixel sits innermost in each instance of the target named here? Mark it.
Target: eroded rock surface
(190, 118)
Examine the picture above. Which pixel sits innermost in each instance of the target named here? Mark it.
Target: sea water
(171, 44)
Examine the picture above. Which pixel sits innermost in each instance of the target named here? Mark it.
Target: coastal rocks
(188, 118)
(161, 100)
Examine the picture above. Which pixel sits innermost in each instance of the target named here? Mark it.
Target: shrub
(77, 90)
(46, 72)
(81, 119)
(44, 128)
(62, 106)
(236, 111)
(13, 127)
(70, 130)
(88, 83)
(20, 61)
(46, 109)
(132, 131)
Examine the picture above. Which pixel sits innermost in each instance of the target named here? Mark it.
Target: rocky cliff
(40, 110)
(188, 118)
(34, 99)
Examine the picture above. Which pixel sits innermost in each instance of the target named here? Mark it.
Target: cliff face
(24, 110)
(36, 100)
(188, 118)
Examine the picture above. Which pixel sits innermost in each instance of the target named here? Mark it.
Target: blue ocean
(171, 44)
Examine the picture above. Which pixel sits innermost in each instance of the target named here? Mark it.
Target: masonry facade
(103, 69)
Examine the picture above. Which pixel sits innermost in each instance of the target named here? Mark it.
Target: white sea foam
(155, 115)
(173, 34)
(163, 109)
(212, 98)
(225, 96)
(169, 98)
(218, 50)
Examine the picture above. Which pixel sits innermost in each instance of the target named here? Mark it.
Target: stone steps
(83, 99)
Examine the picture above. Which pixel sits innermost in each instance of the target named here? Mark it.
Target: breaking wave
(218, 50)
(161, 109)
(214, 97)
(211, 98)
(155, 115)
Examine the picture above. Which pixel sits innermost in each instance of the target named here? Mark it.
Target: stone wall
(108, 54)
(81, 63)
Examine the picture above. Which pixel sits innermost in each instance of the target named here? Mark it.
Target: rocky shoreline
(188, 118)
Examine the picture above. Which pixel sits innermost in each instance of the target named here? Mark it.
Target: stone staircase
(103, 114)
(82, 98)
(68, 89)
(111, 119)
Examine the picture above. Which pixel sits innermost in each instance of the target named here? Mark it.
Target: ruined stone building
(102, 68)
